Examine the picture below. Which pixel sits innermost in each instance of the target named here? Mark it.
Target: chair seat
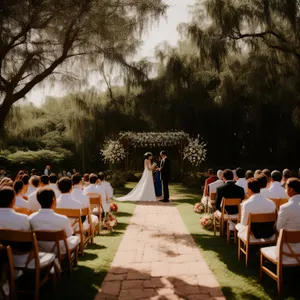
(73, 241)
(271, 254)
(242, 234)
(45, 260)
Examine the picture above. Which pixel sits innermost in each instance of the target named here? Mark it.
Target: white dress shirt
(46, 172)
(67, 201)
(33, 202)
(109, 188)
(242, 182)
(54, 187)
(277, 191)
(214, 185)
(21, 203)
(266, 193)
(94, 191)
(11, 220)
(256, 204)
(78, 195)
(289, 219)
(30, 190)
(48, 220)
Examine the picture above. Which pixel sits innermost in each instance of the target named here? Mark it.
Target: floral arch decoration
(193, 150)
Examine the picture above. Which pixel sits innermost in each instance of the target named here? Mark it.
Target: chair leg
(37, 285)
(279, 279)
(261, 265)
(228, 233)
(239, 249)
(247, 255)
(215, 226)
(235, 234)
(81, 244)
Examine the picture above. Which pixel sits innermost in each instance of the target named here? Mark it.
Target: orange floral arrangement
(207, 222)
(199, 208)
(114, 207)
(110, 221)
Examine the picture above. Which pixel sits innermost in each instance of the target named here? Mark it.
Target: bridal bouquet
(110, 221)
(207, 222)
(114, 207)
(199, 208)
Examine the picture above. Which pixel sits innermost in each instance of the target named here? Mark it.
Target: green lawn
(93, 266)
(236, 281)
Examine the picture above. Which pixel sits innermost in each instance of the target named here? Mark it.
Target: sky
(165, 30)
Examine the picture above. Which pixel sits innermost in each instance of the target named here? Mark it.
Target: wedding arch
(193, 150)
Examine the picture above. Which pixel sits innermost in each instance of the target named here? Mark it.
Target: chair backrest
(21, 242)
(287, 237)
(95, 200)
(261, 225)
(283, 201)
(231, 202)
(212, 196)
(70, 213)
(22, 210)
(276, 202)
(53, 236)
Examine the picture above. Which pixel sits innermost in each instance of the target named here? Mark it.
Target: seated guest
(241, 180)
(20, 189)
(32, 199)
(288, 216)
(276, 190)
(6, 182)
(11, 220)
(47, 219)
(53, 184)
(77, 194)
(256, 204)
(94, 191)
(102, 184)
(267, 172)
(66, 200)
(211, 178)
(20, 175)
(228, 190)
(286, 174)
(34, 183)
(214, 185)
(25, 180)
(257, 172)
(86, 180)
(263, 182)
(249, 174)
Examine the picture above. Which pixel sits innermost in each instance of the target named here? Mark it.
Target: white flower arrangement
(154, 139)
(113, 152)
(195, 152)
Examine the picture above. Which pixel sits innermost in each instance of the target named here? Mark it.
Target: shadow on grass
(122, 214)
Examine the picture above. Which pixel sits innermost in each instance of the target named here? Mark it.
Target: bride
(144, 190)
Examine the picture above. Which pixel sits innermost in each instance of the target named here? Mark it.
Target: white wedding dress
(144, 190)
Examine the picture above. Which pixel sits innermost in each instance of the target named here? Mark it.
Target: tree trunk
(4, 110)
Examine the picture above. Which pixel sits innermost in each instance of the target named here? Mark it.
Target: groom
(165, 174)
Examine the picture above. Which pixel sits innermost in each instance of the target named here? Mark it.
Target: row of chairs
(45, 266)
(274, 254)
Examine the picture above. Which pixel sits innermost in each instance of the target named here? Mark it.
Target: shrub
(118, 180)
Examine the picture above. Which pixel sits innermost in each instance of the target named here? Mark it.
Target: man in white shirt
(11, 220)
(47, 219)
(289, 214)
(286, 174)
(263, 181)
(47, 170)
(241, 180)
(77, 194)
(108, 188)
(66, 200)
(53, 184)
(276, 190)
(214, 185)
(256, 204)
(32, 185)
(94, 191)
(33, 204)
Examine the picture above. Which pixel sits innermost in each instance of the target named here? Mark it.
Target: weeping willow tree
(61, 38)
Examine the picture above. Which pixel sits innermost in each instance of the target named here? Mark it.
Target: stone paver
(158, 259)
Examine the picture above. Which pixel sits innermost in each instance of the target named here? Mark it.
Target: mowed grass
(236, 281)
(86, 279)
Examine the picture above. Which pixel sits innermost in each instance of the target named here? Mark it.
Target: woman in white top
(20, 190)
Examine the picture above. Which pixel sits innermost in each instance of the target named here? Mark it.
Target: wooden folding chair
(28, 258)
(87, 234)
(96, 202)
(22, 210)
(279, 201)
(280, 257)
(212, 202)
(250, 239)
(7, 273)
(69, 254)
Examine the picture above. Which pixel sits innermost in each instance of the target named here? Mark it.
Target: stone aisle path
(158, 259)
